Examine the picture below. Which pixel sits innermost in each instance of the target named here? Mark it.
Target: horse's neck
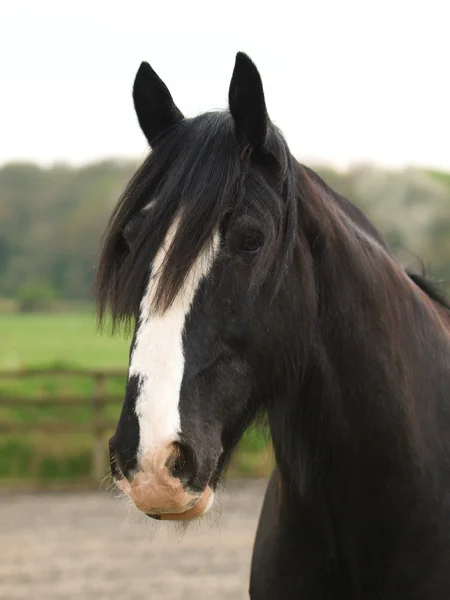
(377, 373)
(378, 334)
(362, 446)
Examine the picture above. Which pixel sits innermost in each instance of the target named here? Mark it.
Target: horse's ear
(155, 109)
(247, 104)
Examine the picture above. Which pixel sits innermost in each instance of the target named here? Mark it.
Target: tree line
(51, 220)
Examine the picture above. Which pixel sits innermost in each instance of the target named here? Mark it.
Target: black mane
(421, 280)
(200, 168)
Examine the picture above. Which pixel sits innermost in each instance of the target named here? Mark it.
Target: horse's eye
(131, 231)
(251, 242)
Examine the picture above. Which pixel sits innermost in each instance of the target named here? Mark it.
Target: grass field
(65, 341)
(58, 339)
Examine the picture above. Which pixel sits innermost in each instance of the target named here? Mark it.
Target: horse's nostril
(121, 463)
(181, 464)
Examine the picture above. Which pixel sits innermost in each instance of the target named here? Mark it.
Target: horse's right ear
(155, 108)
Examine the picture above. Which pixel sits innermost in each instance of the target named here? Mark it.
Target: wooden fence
(99, 425)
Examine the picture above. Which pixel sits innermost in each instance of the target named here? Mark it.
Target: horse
(256, 291)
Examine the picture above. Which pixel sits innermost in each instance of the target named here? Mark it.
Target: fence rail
(98, 426)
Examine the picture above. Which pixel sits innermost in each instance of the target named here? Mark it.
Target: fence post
(99, 465)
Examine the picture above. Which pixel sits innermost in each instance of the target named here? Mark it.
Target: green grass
(61, 341)
(42, 340)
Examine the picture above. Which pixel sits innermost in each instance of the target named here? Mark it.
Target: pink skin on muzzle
(156, 493)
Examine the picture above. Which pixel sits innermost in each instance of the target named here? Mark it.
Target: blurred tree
(35, 297)
(51, 221)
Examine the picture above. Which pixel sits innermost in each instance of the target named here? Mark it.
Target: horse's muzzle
(160, 488)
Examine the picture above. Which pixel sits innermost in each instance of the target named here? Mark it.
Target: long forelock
(197, 176)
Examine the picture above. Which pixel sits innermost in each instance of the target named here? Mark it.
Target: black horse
(257, 290)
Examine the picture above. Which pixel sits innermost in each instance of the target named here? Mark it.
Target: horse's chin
(199, 509)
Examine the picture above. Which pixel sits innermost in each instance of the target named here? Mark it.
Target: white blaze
(157, 358)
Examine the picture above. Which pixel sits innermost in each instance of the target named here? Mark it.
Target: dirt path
(83, 546)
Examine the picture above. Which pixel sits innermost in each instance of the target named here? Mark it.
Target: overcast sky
(346, 80)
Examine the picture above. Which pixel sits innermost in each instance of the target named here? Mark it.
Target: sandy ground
(88, 546)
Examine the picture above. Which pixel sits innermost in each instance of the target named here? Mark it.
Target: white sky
(346, 80)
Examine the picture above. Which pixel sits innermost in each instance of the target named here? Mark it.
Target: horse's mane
(429, 287)
(197, 172)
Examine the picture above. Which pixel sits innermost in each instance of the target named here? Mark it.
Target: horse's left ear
(155, 108)
(247, 103)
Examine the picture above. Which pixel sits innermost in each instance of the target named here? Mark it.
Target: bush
(36, 297)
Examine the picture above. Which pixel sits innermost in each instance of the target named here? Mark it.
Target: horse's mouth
(198, 509)
(160, 496)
